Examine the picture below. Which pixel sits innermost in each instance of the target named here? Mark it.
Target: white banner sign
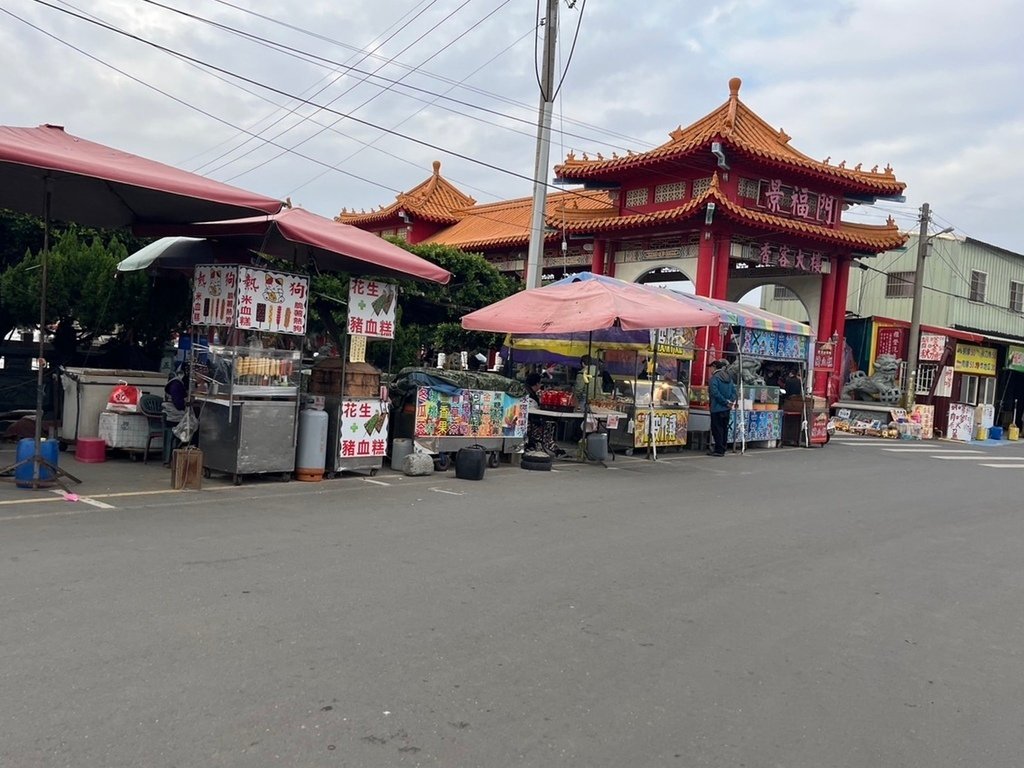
(371, 308)
(362, 429)
(213, 294)
(272, 301)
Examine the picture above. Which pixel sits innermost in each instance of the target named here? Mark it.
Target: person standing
(722, 394)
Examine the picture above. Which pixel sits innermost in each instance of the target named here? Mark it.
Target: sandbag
(416, 464)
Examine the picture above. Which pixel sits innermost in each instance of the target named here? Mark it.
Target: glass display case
(241, 372)
(664, 421)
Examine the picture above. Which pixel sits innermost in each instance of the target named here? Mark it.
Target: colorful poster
(362, 429)
(773, 345)
(819, 428)
(213, 294)
(469, 413)
(891, 341)
(960, 425)
(674, 342)
(980, 361)
(669, 427)
(760, 425)
(925, 416)
(932, 348)
(1015, 359)
(272, 301)
(371, 308)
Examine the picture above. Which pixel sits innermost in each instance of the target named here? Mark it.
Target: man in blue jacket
(722, 393)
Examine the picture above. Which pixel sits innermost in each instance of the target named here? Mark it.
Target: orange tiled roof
(507, 224)
(867, 236)
(744, 132)
(436, 199)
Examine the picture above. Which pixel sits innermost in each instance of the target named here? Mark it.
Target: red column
(842, 270)
(826, 302)
(721, 287)
(597, 259)
(702, 284)
(609, 268)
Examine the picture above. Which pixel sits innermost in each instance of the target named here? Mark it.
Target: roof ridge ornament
(734, 98)
(784, 137)
(437, 167)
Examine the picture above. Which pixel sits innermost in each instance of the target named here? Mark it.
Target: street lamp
(914, 342)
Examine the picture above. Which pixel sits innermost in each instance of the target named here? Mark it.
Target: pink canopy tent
(306, 238)
(586, 305)
(99, 186)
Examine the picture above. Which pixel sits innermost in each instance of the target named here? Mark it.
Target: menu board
(773, 345)
(932, 348)
(469, 413)
(1015, 359)
(960, 424)
(674, 342)
(371, 308)
(213, 294)
(362, 429)
(669, 427)
(980, 361)
(275, 302)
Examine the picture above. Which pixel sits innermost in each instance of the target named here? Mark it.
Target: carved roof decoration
(743, 132)
(436, 200)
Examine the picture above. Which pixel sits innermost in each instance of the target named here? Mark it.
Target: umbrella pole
(652, 449)
(741, 422)
(37, 460)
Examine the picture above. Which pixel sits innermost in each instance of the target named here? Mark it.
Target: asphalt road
(857, 605)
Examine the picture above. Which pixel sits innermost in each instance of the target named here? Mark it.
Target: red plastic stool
(91, 450)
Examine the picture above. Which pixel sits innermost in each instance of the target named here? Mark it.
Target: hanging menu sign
(371, 308)
(213, 294)
(272, 301)
(824, 355)
(980, 361)
(362, 429)
(674, 342)
(932, 348)
(1015, 359)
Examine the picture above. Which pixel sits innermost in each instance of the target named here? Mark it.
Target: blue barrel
(995, 433)
(48, 449)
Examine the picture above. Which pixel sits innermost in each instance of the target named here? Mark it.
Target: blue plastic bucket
(48, 449)
(995, 433)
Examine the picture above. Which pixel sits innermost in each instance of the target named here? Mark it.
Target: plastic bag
(186, 427)
(124, 398)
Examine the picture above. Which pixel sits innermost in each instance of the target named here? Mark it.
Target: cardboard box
(187, 469)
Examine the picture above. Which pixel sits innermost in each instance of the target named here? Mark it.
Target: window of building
(749, 188)
(664, 193)
(782, 293)
(637, 197)
(925, 378)
(1016, 296)
(899, 285)
(978, 281)
(978, 390)
(700, 186)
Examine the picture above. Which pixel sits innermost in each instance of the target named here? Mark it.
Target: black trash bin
(470, 463)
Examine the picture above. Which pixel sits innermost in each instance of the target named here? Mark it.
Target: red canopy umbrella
(49, 173)
(306, 238)
(586, 305)
(99, 186)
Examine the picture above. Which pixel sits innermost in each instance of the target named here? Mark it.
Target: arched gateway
(727, 200)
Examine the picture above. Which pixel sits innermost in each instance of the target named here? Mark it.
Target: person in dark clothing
(540, 434)
(722, 393)
(793, 384)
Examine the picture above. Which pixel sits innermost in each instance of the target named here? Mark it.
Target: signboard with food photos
(274, 302)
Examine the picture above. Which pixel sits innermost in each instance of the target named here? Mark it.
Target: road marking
(927, 448)
(1004, 466)
(450, 493)
(975, 458)
(375, 482)
(84, 500)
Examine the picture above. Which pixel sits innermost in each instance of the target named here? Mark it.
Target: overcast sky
(343, 104)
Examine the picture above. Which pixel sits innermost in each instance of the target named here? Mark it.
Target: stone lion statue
(750, 372)
(880, 386)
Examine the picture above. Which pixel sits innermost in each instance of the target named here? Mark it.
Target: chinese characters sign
(469, 413)
(213, 295)
(669, 427)
(798, 202)
(980, 361)
(932, 348)
(773, 344)
(891, 341)
(784, 257)
(371, 308)
(675, 342)
(362, 429)
(824, 355)
(272, 301)
(1015, 359)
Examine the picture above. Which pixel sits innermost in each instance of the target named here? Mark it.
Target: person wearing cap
(722, 393)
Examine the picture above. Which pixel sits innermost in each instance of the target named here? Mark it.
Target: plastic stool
(91, 450)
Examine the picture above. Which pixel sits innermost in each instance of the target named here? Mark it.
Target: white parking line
(83, 500)
(1004, 466)
(975, 458)
(375, 482)
(450, 493)
(927, 449)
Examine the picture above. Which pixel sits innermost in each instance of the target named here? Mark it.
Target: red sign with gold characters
(824, 356)
(891, 341)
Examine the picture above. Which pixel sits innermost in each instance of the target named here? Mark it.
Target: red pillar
(597, 258)
(609, 267)
(702, 284)
(826, 304)
(721, 287)
(842, 270)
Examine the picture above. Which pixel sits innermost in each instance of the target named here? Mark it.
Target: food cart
(247, 391)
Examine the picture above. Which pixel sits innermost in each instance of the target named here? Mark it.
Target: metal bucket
(400, 448)
(597, 446)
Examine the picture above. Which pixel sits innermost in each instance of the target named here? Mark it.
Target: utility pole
(535, 256)
(914, 342)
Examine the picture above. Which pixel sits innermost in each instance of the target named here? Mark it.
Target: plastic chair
(152, 407)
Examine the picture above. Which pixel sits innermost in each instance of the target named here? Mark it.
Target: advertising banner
(674, 342)
(272, 301)
(1015, 359)
(371, 308)
(980, 361)
(469, 413)
(362, 429)
(213, 294)
(773, 345)
(824, 355)
(669, 427)
(931, 348)
(891, 341)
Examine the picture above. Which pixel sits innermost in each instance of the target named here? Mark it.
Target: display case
(248, 411)
(670, 413)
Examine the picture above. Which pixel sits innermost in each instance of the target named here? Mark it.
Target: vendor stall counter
(248, 413)
(670, 412)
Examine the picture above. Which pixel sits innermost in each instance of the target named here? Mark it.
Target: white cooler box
(127, 431)
(86, 391)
